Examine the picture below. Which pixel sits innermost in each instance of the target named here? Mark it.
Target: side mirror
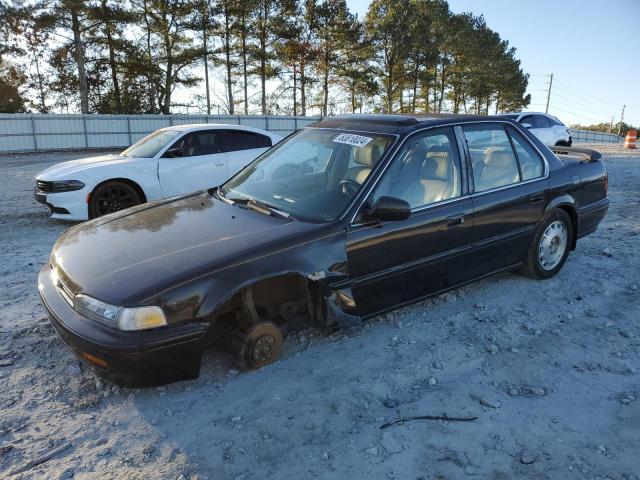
(527, 125)
(173, 152)
(389, 209)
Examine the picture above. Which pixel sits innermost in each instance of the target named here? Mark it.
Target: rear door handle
(455, 220)
(536, 198)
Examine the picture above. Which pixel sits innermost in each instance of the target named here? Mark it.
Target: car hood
(127, 257)
(62, 171)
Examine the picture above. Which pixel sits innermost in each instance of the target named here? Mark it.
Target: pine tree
(270, 23)
(170, 49)
(386, 25)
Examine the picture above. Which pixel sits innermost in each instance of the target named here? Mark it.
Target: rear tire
(111, 197)
(550, 246)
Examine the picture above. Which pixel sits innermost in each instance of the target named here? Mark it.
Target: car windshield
(151, 144)
(312, 175)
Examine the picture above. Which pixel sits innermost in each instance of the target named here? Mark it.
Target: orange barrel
(630, 139)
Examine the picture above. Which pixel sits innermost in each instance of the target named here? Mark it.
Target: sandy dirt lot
(551, 370)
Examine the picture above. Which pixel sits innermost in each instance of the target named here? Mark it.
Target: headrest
(436, 168)
(438, 163)
(368, 155)
(499, 157)
(441, 152)
(417, 152)
(412, 162)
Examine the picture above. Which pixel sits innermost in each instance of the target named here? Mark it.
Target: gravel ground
(549, 368)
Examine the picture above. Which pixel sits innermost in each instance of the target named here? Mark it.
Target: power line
(571, 104)
(579, 92)
(563, 98)
(593, 119)
(599, 103)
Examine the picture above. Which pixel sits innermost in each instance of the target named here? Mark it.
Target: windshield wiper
(255, 205)
(266, 208)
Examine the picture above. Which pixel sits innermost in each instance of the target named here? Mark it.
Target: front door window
(425, 171)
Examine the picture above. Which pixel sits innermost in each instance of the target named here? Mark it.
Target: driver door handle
(455, 220)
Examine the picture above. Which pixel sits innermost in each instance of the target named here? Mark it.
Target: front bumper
(129, 359)
(65, 205)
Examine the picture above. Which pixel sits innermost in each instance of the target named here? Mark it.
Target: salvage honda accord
(348, 218)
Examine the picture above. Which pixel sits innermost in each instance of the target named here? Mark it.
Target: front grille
(66, 292)
(63, 284)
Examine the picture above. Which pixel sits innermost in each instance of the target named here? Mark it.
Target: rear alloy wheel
(550, 247)
(553, 245)
(258, 346)
(111, 197)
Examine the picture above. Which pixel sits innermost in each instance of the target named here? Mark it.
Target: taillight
(606, 183)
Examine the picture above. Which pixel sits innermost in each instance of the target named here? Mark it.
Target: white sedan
(169, 162)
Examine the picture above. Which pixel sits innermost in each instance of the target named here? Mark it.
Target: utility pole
(205, 53)
(621, 119)
(546, 110)
(611, 126)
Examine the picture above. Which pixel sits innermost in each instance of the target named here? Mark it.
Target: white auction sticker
(351, 139)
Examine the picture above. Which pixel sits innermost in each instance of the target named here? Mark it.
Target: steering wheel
(348, 187)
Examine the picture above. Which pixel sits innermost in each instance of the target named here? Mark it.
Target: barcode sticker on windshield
(351, 139)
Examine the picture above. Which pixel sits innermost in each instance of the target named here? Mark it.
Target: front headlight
(135, 318)
(58, 186)
(141, 318)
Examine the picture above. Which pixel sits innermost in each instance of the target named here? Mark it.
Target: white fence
(26, 132)
(589, 136)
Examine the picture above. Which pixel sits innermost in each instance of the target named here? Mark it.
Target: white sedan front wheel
(111, 197)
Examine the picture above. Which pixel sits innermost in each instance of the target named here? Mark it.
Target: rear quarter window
(240, 140)
(531, 163)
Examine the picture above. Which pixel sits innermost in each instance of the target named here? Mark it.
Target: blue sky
(591, 47)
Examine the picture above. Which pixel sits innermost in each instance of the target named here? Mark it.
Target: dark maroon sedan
(346, 219)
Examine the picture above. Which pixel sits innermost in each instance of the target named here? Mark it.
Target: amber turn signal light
(93, 359)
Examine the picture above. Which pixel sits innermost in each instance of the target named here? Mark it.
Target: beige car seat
(498, 168)
(435, 180)
(366, 158)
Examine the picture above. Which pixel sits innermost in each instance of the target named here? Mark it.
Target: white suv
(547, 128)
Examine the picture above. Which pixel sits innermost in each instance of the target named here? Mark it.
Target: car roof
(526, 113)
(396, 123)
(516, 115)
(194, 127)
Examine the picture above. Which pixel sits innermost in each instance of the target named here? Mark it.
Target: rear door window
(493, 160)
(540, 121)
(235, 140)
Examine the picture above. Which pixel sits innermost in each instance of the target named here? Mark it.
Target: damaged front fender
(321, 261)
